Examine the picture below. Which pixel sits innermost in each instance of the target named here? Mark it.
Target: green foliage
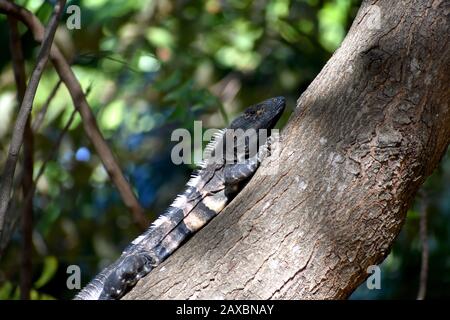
(49, 270)
(8, 291)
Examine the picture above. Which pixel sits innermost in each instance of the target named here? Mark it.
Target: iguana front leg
(241, 171)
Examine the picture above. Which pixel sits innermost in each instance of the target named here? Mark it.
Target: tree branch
(27, 178)
(89, 122)
(425, 250)
(24, 112)
(41, 115)
(364, 136)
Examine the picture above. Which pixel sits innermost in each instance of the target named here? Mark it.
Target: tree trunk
(363, 138)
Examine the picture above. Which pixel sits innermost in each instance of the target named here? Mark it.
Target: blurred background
(153, 66)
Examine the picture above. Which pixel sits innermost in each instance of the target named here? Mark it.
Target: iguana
(222, 174)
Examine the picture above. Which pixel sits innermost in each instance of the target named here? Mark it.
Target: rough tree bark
(364, 136)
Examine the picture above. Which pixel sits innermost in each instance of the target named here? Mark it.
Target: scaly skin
(219, 179)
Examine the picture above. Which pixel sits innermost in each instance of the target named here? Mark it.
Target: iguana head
(250, 130)
(263, 115)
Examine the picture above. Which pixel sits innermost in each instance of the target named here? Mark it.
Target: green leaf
(48, 271)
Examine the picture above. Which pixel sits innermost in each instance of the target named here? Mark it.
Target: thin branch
(24, 112)
(425, 250)
(29, 196)
(41, 115)
(226, 90)
(39, 174)
(27, 179)
(27, 215)
(89, 122)
(51, 155)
